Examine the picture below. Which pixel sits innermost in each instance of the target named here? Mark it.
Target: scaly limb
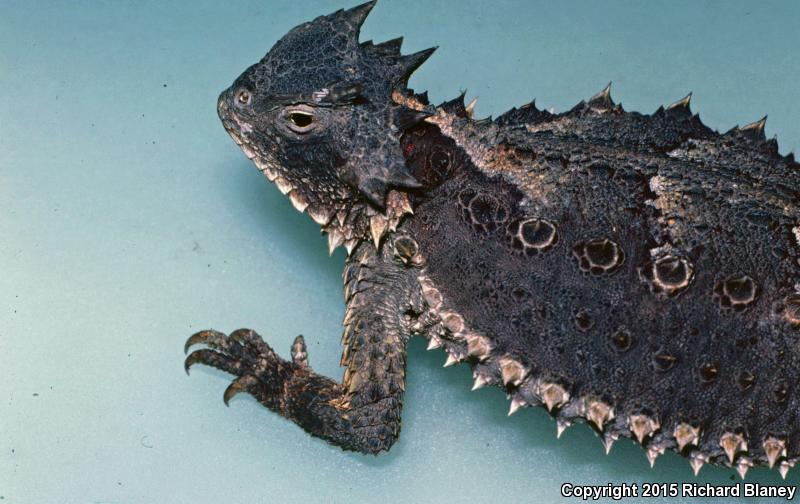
(363, 412)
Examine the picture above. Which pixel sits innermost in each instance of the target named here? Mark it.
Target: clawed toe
(241, 384)
(212, 358)
(209, 337)
(243, 353)
(240, 341)
(228, 353)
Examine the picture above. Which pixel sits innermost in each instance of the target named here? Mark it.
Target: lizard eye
(300, 121)
(243, 97)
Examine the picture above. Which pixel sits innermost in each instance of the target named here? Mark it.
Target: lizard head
(317, 116)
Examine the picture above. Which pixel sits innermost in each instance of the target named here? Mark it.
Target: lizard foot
(258, 369)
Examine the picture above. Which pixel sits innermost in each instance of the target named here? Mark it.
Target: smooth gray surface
(129, 220)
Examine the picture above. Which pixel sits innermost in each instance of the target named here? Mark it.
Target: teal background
(129, 220)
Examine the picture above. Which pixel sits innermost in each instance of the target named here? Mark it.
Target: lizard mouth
(238, 130)
(234, 126)
(345, 222)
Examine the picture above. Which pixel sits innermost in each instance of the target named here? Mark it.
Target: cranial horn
(411, 62)
(358, 14)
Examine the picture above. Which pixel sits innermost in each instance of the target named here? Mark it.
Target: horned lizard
(635, 272)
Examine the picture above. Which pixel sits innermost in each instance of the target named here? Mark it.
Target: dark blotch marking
(531, 235)
(439, 162)
(583, 320)
(621, 340)
(664, 361)
(736, 292)
(781, 392)
(538, 233)
(791, 309)
(483, 211)
(709, 371)
(746, 380)
(600, 256)
(668, 275)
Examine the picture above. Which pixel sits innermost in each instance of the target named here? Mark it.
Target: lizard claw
(203, 337)
(212, 358)
(192, 359)
(243, 383)
(257, 368)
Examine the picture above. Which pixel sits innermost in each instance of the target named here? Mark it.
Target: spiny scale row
(524, 390)
(603, 103)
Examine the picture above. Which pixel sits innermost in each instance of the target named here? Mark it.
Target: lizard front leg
(362, 413)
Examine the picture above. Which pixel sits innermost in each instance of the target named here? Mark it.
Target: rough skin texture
(636, 272)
